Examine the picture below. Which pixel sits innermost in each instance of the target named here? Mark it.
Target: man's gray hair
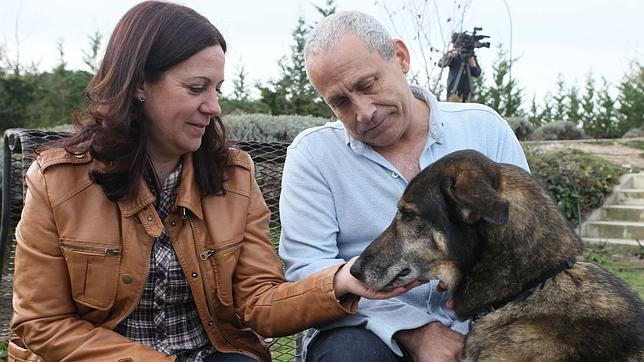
(327, 33)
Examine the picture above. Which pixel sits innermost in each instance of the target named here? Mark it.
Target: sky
(548, 37)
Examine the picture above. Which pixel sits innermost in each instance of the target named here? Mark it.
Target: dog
(496, 241)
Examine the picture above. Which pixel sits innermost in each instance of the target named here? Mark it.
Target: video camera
(466, 43)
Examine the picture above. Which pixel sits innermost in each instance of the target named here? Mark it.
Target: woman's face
(179, 106)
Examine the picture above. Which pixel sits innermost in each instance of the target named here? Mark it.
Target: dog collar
(530, 286)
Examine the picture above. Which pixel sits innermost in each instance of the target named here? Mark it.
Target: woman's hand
(344, 283)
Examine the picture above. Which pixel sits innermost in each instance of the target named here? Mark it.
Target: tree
(241, 102)
(90, 56)
(573, 111)
(546, 114)
(631, 99)
(533, 115)
(292, 93)
(329, 9)
(606, 122)
(240, 91)
(480, 93)
(588, 117)
(559, 98)
(504, 95)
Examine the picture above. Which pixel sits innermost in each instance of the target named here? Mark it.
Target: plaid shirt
(166, 318)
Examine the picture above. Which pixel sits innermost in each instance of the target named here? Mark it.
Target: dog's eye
(406, 216)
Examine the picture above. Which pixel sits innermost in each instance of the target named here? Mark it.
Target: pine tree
(292, 93)
(546, 114)
(504, 95)
(560, 107)
(573, 111)
(90, 57)
(588, 116)
(240, 91)
(631, 99)
(534, 117)
(607, 115)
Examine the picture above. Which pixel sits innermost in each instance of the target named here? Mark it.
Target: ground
(616, 151)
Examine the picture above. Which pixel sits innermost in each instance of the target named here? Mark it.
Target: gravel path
(612, 150)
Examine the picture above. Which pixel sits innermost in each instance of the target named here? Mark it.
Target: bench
(19, 147)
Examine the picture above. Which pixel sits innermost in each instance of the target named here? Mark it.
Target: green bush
(558, 130)
(521, 127)
(268, 128)
(579, 182)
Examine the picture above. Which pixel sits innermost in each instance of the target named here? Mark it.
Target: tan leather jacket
(82, 260)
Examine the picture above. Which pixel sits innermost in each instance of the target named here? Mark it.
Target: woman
(143, 236)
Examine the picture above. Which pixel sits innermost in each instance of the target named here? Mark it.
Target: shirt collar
(435, 129)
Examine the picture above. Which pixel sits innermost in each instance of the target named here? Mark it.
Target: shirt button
(127, 278)
(173, 223)
(149, 218)
(194, 275)
(395, 175)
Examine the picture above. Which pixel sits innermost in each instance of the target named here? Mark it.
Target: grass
(626, 262)
(639, 144)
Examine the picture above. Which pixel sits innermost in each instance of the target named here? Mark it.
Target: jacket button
(210, 323)
(268, 340)
(127, 278)
(194, 275)
(149, 218)
(173, 223)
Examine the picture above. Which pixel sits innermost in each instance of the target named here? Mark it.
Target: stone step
(630, 196)
(637, 181)
(614, 230)
(623, 213)
(630, 242)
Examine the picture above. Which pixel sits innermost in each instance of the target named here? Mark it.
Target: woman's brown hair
(149, 39)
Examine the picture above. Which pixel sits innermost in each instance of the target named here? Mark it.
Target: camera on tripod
(465, 43)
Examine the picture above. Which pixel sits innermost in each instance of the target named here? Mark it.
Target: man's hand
(471, 61)
(453, 53)
(432, 342)
(344, 283)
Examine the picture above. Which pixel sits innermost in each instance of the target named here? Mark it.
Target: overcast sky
(550, 37)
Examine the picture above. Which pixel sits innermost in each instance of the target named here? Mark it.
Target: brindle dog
(496, 240)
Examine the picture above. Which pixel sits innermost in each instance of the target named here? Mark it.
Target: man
(342, 182)
(462, 67)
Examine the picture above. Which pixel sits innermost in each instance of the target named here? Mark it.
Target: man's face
(368, 94)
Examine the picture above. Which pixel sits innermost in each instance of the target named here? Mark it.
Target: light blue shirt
(338, 195)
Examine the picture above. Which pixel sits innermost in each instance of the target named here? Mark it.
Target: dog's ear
(473, 198)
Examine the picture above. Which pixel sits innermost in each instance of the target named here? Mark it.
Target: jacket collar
(188, 195)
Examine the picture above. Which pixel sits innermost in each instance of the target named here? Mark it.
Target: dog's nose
(356, 269)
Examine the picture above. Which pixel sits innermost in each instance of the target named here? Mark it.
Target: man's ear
(402, 55)
(472, 197)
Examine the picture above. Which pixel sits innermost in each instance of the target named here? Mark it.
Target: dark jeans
(353, 344)
(228, 357)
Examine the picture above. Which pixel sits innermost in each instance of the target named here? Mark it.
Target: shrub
(558, 130)
(578, 181)
(521, 127)
(268, 128)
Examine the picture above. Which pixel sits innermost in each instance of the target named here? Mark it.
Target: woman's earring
(141, 99)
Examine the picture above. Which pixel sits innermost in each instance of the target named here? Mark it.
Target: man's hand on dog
(432, 342)
(345, 283)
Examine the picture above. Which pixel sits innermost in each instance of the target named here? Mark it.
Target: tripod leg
(457, 81)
